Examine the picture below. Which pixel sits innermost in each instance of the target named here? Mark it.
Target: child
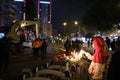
(98, 59)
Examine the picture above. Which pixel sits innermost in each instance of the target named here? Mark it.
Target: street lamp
(76, 23)
(64, 24)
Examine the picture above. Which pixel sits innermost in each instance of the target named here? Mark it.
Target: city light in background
(64, 25)
(44, 2)
(64, 15)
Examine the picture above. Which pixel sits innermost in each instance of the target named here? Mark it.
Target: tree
(89, 35)
(70, 28)
(102, 15)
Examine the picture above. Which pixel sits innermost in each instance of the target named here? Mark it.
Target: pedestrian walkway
(25, 60)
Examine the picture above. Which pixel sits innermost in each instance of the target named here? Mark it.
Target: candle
(36, 69)
(67, 66)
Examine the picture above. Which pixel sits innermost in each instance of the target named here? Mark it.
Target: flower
(59, 57)
(72, 58)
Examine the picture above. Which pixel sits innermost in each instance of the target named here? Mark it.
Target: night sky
(64, 10)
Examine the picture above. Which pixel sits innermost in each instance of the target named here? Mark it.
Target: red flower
(70, 55)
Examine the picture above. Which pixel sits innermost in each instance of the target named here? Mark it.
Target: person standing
(68, 46)
(113, 45)
(98, 59)
(36, 44)
(88, 42)
(114, 68)
(108, 42)
(117, 46)
(4, 53)
(44, 49)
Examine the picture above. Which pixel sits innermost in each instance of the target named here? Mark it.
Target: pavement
(19, 61)
(22, 60)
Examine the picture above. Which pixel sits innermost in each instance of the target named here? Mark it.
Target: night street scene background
(33, 34)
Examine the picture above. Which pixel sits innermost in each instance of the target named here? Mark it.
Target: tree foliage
(102, 15)
(70, 28)
(89, 35)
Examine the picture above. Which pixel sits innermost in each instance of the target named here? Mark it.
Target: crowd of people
(102, 59)
(39, 47)
(99, 59)
(72, 45)
(114, 44)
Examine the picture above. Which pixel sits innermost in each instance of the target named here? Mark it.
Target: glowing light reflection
(19, 0)
(44, 2)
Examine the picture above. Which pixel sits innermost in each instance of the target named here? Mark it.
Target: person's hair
(99, 43)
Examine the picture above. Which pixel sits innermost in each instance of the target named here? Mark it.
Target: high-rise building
(19, 9)
(45, 16)
(7, 10)
(43, 10)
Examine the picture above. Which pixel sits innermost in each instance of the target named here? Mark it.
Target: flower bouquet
(74, 58)
(61, 59)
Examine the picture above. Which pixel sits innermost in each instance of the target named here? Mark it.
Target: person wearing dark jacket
(68, 46)
(4, 53)
(44, 49)
(36, 44)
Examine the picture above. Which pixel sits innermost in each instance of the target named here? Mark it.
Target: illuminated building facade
(7, 10)
(44, 13)
(43, 8)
